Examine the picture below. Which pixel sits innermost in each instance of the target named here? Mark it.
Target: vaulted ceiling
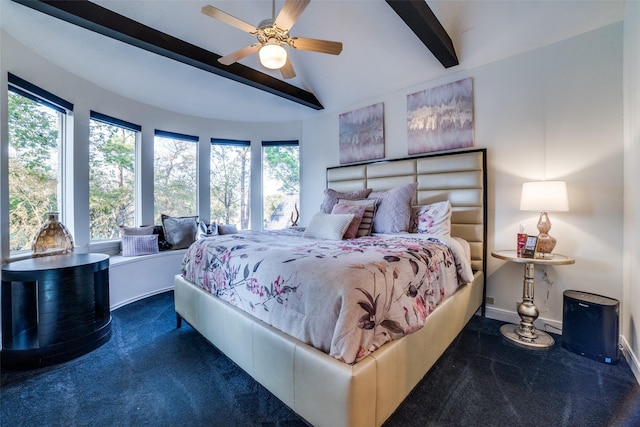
(383, 50)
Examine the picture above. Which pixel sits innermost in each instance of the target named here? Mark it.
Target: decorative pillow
(364, 229)
(134, 245)
(413, 223)
(465, 247)
(163, 245)
(145, 230)
(213, 228)
(357, 211)
(227, 229)
(328, 226)
(393, 213)
(435, 219)
(331, 198)
(206, 230)
(180, 232)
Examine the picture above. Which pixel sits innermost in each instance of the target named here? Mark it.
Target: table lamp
(543, 197)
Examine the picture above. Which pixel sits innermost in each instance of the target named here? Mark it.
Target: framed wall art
(440, 118)
(362, 134)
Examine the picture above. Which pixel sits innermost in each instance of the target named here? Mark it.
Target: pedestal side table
(525, 334)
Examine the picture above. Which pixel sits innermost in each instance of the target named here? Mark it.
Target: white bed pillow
(393, 213)
(435, 218)
(328, 226)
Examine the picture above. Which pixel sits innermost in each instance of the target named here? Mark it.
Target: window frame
(235, 143)
(186, 138)
(113, 121)
(64, 108)
(275, 143)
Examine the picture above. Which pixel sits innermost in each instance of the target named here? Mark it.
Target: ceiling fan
(273, 35)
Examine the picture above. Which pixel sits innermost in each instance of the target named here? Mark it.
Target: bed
(343, 388)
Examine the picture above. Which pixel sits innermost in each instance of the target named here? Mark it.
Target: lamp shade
(272, 55)
(544, 196)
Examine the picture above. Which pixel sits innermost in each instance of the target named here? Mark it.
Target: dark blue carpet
(151, 373)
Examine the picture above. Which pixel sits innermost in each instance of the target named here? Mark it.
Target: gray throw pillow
(393, 213)
(145, 230)
(227, 229)
(332, 196)
(179, 232)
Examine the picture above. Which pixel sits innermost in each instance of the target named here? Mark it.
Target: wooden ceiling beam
(419, 17)
(103, 21)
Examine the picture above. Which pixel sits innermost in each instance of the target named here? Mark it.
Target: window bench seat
(134, 278)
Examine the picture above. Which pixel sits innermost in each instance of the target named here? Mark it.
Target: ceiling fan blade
(290, 12)
(322, 46)
(287, 70)
(216, 13)
(239, 54)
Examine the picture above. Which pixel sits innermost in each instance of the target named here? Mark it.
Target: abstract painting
(362, 134)
(440, 118)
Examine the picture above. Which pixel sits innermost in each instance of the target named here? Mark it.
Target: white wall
(630, 324)
(85, 96)
(554, 113)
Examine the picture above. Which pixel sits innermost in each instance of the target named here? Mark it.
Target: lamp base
(546, 244)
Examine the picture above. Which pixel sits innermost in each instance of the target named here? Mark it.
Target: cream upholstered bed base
(321, 389)
(324, 391)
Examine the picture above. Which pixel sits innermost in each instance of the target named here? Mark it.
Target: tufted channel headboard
(459, 177)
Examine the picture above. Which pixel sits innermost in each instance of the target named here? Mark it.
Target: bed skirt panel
(321, 389)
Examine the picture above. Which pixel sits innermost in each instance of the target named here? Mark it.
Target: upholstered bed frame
(327, 392)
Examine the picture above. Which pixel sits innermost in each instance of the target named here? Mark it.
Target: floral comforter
(346, 298)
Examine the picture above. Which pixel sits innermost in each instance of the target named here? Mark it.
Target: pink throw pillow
(357, 211)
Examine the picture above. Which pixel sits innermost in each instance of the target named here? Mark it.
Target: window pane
(111, 179)
(281, 185)
(230, 181)
(174, 179)
(34, 167)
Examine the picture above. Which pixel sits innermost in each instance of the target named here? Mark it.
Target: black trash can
(590, 326)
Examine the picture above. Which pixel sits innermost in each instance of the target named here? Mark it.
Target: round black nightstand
(54, 308)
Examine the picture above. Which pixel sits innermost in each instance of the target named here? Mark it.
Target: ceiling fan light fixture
(273, 55)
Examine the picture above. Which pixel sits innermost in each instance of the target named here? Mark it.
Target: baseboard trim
(142, 296)
(542, 323)
(632, 359)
